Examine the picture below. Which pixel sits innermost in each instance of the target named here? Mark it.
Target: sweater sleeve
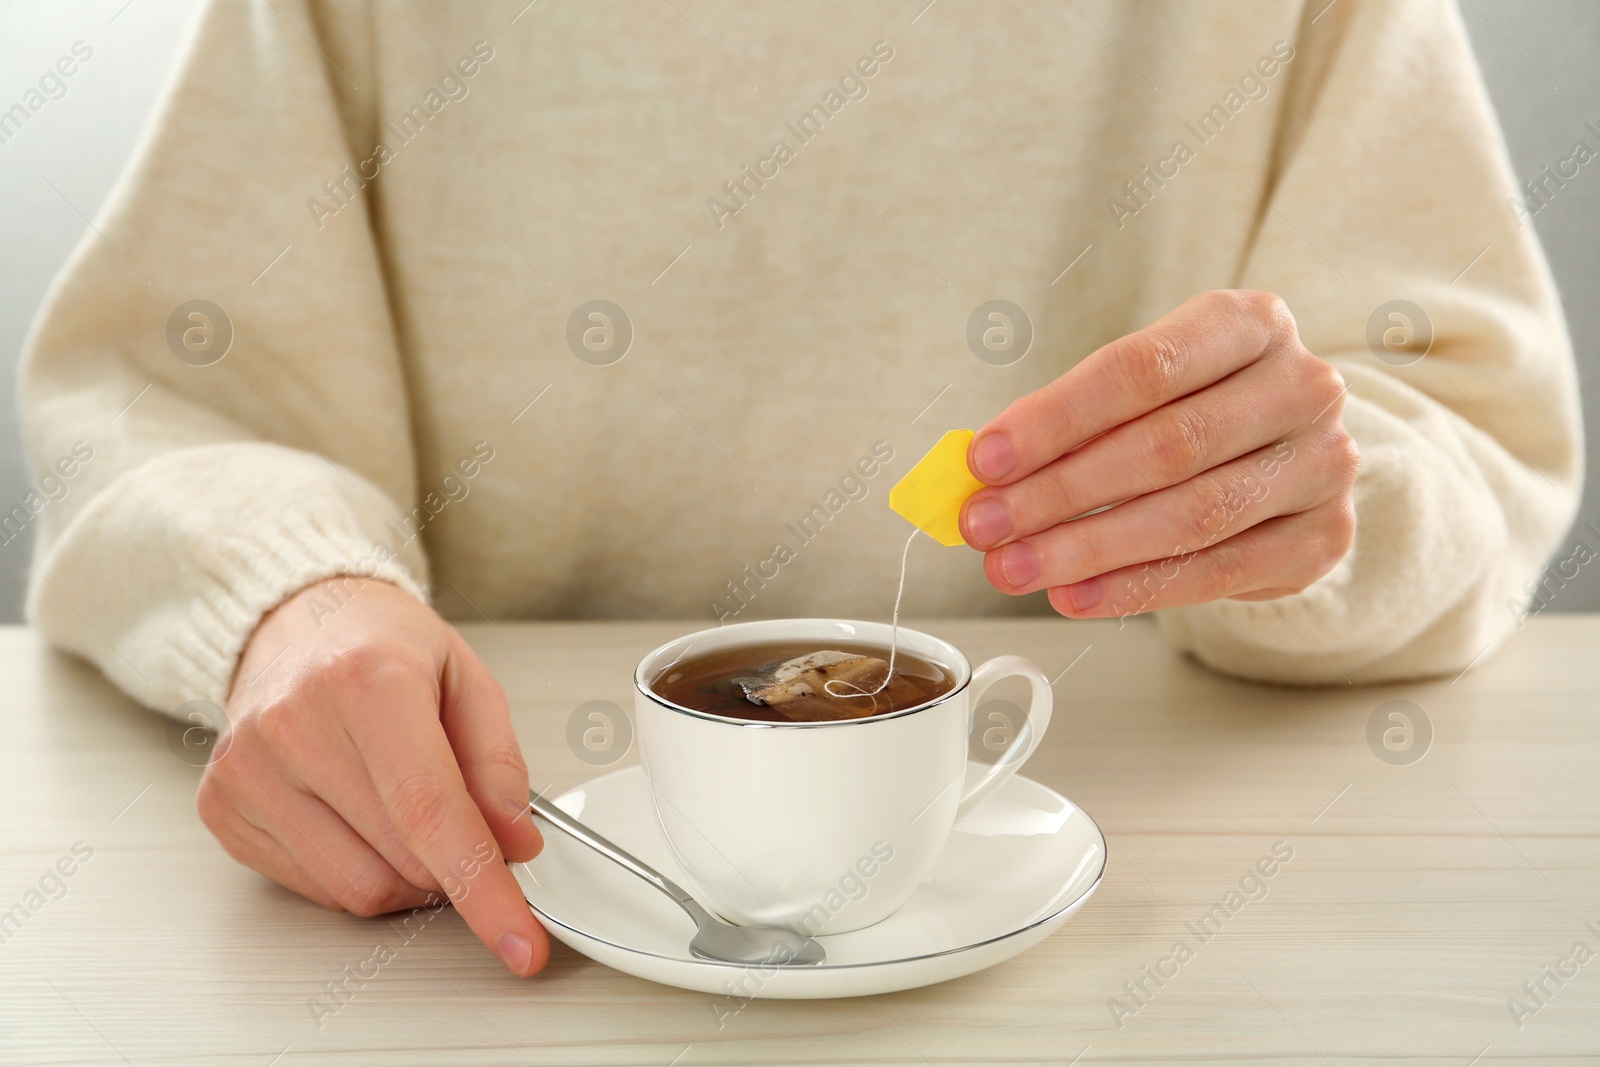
(1391, 183)
(218, 372)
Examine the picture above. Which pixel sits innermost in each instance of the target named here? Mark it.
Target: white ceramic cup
(821, 827)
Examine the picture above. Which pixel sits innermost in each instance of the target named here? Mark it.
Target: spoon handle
(550, 813)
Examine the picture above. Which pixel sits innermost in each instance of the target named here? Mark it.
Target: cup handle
(1028, 737)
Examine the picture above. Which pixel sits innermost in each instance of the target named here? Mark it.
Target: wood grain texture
(1418, 901)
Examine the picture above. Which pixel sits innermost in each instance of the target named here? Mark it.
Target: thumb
(477, 721)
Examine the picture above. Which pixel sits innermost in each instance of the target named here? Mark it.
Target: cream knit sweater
(401, 211)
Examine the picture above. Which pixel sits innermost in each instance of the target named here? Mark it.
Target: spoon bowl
(714, 939)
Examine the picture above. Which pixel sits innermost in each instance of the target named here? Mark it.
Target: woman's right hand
(369, 764)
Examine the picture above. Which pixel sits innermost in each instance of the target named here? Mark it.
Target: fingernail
(993, 457)
(1084, 595)
(515, 951)
(988, 522)
(1019, 563)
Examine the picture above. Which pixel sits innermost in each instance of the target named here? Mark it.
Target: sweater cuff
(258, 572)
(161, 577)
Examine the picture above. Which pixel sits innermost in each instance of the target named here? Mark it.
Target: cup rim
(960, 663)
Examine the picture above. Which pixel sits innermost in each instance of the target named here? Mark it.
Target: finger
(477, 721)
(308, 749)
(335, 773)
(1183, 518)
(253, 847)
(1201, 341)
(261, 853)
(1262, 403)
(322, 843)
(1275, 558)
(420, 783)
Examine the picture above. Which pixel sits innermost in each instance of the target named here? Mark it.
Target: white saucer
(1015, 869)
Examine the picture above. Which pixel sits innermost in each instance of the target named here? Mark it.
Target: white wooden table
(1420, 898)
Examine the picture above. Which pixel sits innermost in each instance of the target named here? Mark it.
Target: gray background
(1539, 61)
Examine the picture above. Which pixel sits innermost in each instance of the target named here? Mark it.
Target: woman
(597, 311)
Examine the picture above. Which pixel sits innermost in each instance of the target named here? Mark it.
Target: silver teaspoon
(714, 939)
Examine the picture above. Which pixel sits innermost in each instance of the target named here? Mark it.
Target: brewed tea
(790, 682)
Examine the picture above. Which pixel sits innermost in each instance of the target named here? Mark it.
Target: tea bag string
(894, 636)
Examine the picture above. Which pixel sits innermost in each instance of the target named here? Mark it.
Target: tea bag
(829, 685)
(820, 686)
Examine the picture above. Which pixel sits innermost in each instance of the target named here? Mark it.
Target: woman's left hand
(1216, 434)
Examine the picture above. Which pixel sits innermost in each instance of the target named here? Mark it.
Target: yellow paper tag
(931, 494)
